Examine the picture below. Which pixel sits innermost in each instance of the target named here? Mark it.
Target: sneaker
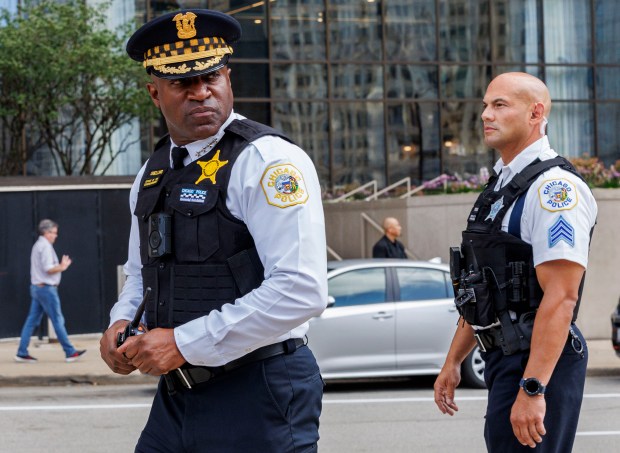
(76, 355)
(25, 359)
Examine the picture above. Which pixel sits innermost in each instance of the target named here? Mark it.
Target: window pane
(305, 81)
(249, 80)
(358, 143)
(536, 71)
(306, 124)
(516, 31)
(569, 82)
(607, 31)
(410, 30)
(413, 142)
(298, 29)
(570, 129)
(357, 82)
(567, 31)
(257, 111)
(364, 286)
(251, 15)
(464, 150)
(464, 81)
(608, 83)
(412, 82)
(464, 30)
(355, 30)
(608, 132)
(421, 284)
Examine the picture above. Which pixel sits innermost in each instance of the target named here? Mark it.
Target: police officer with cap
(519, 276)
(228, 235)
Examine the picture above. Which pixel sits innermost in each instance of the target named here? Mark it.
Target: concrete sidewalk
(51, 369)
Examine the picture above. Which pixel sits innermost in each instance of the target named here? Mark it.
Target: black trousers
(263, 407)
(563, 397)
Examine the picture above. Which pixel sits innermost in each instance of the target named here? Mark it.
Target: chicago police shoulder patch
(284, 186)
(557, 195)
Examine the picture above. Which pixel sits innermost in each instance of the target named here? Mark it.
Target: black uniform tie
(178, 154)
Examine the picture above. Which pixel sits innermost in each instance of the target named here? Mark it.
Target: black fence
(94, 220)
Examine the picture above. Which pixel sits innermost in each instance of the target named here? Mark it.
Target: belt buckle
(480, 343)
(183, 378)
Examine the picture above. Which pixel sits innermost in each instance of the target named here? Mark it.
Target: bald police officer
(228, 232)
(525, 251)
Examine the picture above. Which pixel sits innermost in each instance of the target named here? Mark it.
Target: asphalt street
(395, 416)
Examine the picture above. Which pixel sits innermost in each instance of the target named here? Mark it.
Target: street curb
(140, 379)
(596, 372)
(85, 379)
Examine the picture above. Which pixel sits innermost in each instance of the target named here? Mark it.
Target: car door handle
(382, 315)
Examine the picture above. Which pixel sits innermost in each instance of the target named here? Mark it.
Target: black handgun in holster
(134, 328)
(471, 289)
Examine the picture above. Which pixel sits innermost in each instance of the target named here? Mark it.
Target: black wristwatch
(532, 386)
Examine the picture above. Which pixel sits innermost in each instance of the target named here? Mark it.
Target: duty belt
(489, 339)
(492, 338)
(189, 376)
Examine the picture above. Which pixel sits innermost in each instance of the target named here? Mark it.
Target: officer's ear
(538, 112)
(153, 92)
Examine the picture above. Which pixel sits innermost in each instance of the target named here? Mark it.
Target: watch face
(532, 386)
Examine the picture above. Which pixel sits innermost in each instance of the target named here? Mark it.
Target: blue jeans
(44, 299)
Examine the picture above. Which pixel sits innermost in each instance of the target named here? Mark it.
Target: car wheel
(472, 370)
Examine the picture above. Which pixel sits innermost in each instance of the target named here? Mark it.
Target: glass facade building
(387, 89)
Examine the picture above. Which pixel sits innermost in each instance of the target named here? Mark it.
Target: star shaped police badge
(210, 168)
(495, 208)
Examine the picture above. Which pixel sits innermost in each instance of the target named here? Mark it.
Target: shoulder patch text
(557, 195)
(284, 186)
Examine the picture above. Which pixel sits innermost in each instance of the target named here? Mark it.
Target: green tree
(67, 85)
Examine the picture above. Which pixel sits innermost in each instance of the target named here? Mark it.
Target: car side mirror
(331, 301)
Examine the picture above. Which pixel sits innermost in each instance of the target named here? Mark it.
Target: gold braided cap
(187, 50)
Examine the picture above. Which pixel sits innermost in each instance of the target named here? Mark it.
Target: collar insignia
(185, 25)
(153, 178)
(495, 208)
(210, 168)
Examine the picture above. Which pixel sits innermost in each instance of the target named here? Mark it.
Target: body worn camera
(134, 328)
(160, 234)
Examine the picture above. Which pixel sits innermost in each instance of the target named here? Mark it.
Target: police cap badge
(185, 43)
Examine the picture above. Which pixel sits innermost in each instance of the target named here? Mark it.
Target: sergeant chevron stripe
(561, 230)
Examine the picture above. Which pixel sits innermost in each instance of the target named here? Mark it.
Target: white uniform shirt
(559, 210)
(289, 234)
(42, 258)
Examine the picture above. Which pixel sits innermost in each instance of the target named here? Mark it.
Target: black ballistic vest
(511, 259)
(213, 260)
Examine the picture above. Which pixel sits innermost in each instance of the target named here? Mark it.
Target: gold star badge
(210, 168)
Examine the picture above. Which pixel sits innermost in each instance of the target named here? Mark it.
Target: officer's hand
(154, 353)
(445, 385)
(110, 354)
(526, 416)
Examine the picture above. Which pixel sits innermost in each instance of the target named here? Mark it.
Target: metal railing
(330, 251)
(376, 193)
(372, 184)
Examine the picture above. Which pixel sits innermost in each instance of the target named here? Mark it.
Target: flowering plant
(595, 173)
(593, 170)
